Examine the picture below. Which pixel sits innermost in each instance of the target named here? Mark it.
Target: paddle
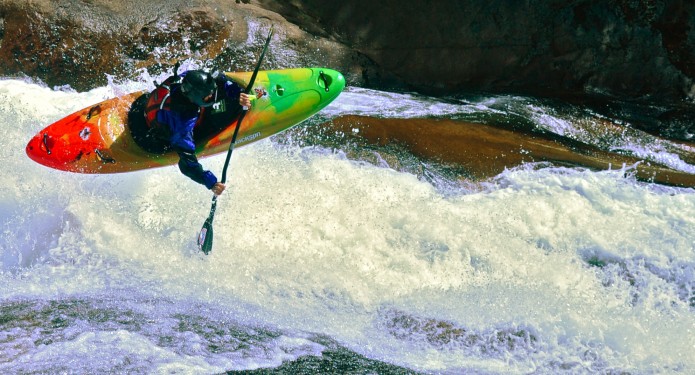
(205, 236)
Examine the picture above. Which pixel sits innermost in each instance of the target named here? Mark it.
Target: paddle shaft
(205, 237)
(248, 89)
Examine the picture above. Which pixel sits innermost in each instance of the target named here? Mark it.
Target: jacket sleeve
(190, 167)
(231, 88)
(181, 126)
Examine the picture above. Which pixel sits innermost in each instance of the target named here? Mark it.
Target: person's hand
(218, 188)
(244, 100)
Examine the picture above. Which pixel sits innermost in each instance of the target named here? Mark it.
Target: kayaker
(174, 109)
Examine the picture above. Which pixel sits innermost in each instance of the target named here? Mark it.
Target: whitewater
(541, 269)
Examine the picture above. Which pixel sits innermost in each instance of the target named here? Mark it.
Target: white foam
(366, 102)
(594, 129)
(314, 242)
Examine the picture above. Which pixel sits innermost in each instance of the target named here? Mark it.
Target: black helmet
(198, 85)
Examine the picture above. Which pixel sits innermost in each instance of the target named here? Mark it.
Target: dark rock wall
(630, 49)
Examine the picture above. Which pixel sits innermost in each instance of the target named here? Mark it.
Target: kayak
(103, 138)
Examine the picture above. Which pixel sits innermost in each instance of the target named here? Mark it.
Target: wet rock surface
(79, 42)
(636, 51)
(479, 151)
(628, 48)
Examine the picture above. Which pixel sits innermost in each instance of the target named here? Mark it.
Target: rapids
(383, 264)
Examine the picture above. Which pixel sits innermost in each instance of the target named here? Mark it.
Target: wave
(538, 269)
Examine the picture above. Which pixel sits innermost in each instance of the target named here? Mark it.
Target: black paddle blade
(205, 237)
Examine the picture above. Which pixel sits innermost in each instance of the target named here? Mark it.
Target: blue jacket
(181, 118)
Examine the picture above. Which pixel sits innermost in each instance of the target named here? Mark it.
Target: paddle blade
(205, 237)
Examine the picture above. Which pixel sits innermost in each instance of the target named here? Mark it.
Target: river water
(328, 263)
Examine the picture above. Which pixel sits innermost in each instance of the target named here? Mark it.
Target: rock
(480, 151)
(633, 50)
(627, 48)
(79, 42)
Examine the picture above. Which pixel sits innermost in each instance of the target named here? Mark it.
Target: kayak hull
(100, 138)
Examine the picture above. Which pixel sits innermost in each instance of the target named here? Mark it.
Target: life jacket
(160, 99)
